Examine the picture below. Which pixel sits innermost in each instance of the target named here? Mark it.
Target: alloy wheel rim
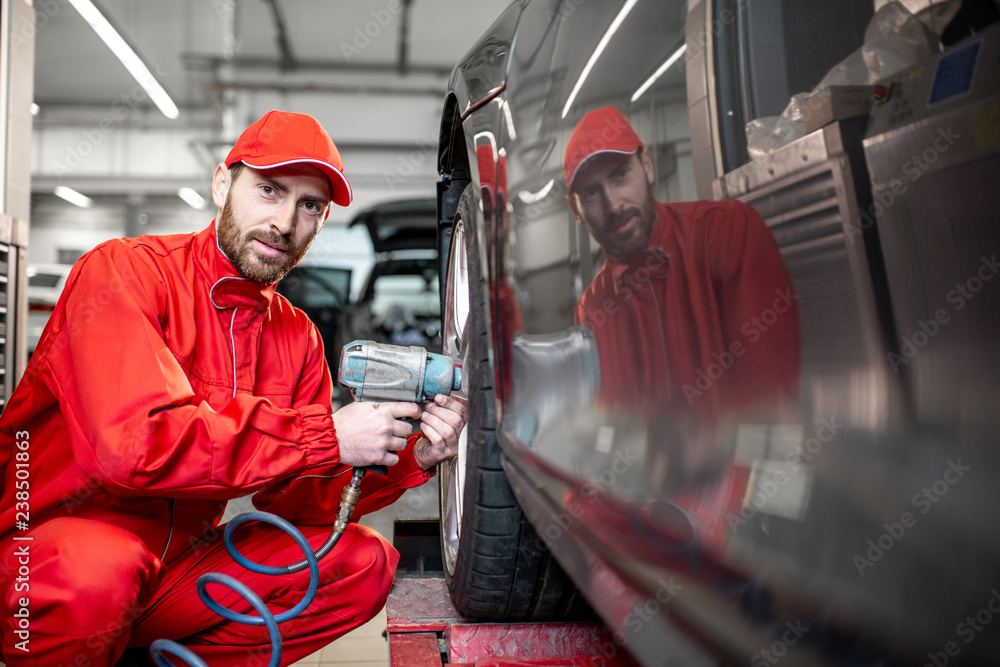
(455, 346)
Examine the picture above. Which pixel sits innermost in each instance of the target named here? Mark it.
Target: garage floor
(364, 647)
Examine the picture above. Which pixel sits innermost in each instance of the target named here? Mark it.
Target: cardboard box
(836, 103)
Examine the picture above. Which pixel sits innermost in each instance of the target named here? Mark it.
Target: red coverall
(135, 438)
(700, 327)
(703, 320)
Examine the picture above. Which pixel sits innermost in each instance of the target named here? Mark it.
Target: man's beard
(251, 264)
(627, 248)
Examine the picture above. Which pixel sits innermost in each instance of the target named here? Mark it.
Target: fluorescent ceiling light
(658, 73)
(511, 132)
(133, 63)
(488, 136)
(612, 29)
(73, 197)
(35, 109)
(193, 199)
(535, 197)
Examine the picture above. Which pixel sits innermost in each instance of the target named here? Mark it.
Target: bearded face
(239, 245)
(270, 218)
(613, 197)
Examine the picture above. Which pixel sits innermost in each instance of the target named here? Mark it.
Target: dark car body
(864, 526)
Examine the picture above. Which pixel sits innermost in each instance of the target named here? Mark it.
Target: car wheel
(496, 565)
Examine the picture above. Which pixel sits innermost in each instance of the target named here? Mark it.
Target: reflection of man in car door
(693, 310)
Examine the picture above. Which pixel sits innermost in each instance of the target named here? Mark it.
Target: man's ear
(221, 182)
(647, 165)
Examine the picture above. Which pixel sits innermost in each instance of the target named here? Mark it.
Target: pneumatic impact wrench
(373, 372)
(382, 372)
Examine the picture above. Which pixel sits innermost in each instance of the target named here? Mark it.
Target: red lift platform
(425, 630)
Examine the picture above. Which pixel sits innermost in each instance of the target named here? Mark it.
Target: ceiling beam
(326, 89)
(404, 37)
(210, 63)
(104, 185)
(287, 61)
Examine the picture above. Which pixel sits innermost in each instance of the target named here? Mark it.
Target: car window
(412, 294)
(44, 280)
(312, 287)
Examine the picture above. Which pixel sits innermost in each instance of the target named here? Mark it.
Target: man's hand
(441, 423)
(372, 433)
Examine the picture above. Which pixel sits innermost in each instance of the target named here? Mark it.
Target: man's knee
(367, 565)
(88, 576)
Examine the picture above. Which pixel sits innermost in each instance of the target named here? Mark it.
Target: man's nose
(613, 202)
(283, 220)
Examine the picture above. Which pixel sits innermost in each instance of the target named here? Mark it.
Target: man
(694, 317)
(693, 310)
(171, 379)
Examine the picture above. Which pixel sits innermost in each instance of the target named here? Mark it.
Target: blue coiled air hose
(348, 499)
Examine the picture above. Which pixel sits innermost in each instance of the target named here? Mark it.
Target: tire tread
(503, 571)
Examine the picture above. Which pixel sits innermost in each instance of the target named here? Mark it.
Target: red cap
(281, 138)
(600, 131)
(492, 169)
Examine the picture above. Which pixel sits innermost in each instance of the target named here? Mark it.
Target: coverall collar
(227, 288)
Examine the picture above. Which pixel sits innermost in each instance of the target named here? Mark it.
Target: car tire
(496, 566)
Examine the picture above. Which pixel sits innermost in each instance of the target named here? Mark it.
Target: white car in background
(45, 284)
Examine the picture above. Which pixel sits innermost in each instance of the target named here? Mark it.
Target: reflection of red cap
(487, 166)
(281, 138)
(492, 170)
(600, 131)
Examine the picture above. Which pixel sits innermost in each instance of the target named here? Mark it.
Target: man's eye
(267, 189)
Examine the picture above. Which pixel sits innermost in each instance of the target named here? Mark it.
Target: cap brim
(343, 195)
(584, 161)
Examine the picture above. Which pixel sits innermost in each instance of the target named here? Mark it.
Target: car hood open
(404, 224)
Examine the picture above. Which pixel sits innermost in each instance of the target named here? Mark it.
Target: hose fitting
(348, 499)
